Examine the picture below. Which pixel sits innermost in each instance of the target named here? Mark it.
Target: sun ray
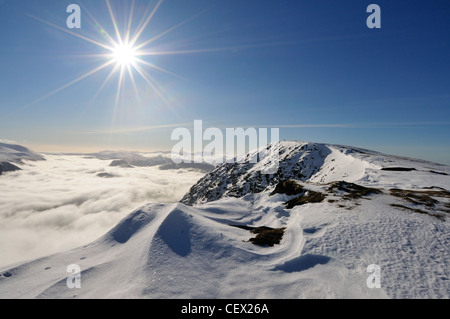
(117, 99)
(119, 86)
(108, 78)
(175, 52)
(133, 82)
(155, 52)
(144, 25)
(166, 32)
(130, 20)
(116, 28)
(71, 33)
(152, 85)
(82, 77)
(101, 29)
(151, 65)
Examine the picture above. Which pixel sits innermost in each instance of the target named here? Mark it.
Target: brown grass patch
(353, 191)
(398, 169)
(309, 197)
(265, 236)
(420, 197)
(419, 211)
(288, 187)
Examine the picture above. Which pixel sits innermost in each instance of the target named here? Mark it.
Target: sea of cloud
(69, 200)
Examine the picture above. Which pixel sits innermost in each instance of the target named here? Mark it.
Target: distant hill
(17, 154)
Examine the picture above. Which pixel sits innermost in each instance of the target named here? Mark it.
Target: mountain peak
(296, 160)
(308, 162)
(17, 153)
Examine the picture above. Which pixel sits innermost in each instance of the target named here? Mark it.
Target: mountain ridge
(305, 161)
(17, 154)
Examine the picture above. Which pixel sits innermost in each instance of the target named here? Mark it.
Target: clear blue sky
(311, 68)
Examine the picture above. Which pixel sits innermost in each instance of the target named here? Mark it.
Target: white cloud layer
(62, 203)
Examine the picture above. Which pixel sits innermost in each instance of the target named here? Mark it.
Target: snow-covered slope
(330, 234)
(17, 154)
(319, 163)
(11, 153)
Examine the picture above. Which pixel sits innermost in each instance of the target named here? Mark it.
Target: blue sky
(312, 68)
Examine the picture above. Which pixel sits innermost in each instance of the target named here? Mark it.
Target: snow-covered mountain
(311, 230)
(315, 163)
(128, 159)
(17, 154)
(12, 153)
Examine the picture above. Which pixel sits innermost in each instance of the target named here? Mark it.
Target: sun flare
(124, 54)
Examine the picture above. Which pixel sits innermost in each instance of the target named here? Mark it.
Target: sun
(124, 51)
(124, 54)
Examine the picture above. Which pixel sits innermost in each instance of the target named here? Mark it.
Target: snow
(364, 167)
(316, 163)
(180, 251)
(17, 153)
(70, 200)
(176, 251)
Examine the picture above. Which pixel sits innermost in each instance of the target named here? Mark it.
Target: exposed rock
(202, 167)
(120, 163)
(8, 167)
(288, 187)
(353, 191)
(265, 236)
(296, 161)
(309, 197)
(398, 169)
(105, 175)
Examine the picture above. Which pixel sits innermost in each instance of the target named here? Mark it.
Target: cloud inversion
(67, 201)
